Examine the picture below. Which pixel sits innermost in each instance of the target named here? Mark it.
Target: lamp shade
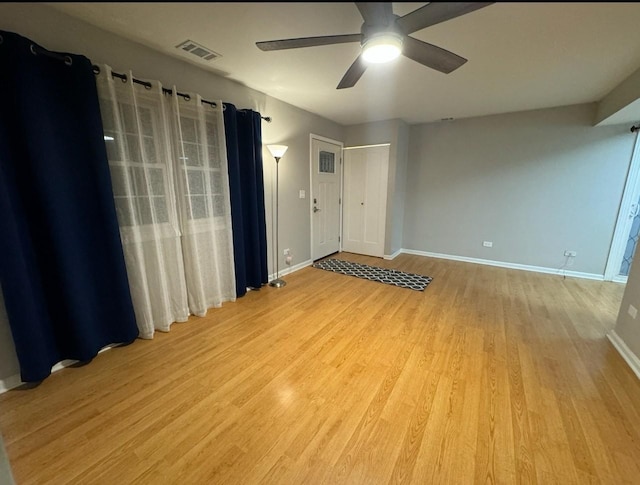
(277, 150)
(382, 48)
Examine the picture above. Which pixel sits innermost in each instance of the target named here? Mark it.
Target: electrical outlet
(633, 311)
(487, 244)
(302, 194)
(286, 252)
(571, 254)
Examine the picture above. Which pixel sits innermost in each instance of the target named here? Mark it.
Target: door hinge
(338, 238)
(339, 200)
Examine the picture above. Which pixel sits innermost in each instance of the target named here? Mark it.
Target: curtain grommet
(1, 39)
(68, 61)
(96, 69)
(33, 50)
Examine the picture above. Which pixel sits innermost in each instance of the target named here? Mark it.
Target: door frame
(313, 136)
(630, 196)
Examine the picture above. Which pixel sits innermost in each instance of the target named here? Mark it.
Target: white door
(625, 236)
(365, 199)
(326, 161)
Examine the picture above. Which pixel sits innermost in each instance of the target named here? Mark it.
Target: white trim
(292, 269)
(368, 146)
(623, 222)
(12, 382)
(394, 255)
(625, 352)
(9, 383)
(313, 136)
(619, 279)
(325, 139)
(501, 264)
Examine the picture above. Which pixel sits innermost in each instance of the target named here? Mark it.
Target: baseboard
(394, 255)
(625, 352)
(9, 383)
(12, 382)
(620, 279)
(500, 264)
(292, 269)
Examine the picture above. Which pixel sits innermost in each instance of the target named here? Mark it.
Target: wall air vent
(198, 50)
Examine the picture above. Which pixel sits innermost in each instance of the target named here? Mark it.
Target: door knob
(315, 209)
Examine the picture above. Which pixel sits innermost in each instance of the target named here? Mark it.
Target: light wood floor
(488, 376)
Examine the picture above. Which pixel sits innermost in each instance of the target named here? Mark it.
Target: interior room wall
(290, 126)
(396, 133)
(400, 191)
(624, 94)
(534, 183)
(9, 366)
(6, 476)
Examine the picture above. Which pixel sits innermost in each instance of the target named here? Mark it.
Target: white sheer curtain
(172, 199)
(202, 186)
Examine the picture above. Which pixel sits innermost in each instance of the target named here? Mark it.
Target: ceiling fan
(384, 36)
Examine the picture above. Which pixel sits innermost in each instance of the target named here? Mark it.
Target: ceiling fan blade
(431, 56)
(354, 73)
(276, 45)
(376, 13)
(434, 13)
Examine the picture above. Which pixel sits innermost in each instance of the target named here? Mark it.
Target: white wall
(619, 98)
(400, 189)
(534, 183)
(291, 126)
(6, 476)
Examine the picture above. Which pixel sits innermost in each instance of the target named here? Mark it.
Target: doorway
(326, 193)
(627, 231)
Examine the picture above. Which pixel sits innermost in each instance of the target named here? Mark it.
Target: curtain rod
(35, 50)
(148, 85)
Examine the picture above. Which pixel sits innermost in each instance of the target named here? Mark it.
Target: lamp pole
(277, 151)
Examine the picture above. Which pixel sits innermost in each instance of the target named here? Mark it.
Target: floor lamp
(277, 151)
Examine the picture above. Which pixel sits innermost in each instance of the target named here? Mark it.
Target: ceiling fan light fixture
(382, 48)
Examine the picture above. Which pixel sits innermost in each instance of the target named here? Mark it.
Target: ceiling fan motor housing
(372, 31)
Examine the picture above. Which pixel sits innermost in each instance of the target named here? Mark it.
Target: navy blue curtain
(61, 260)
(243, 130)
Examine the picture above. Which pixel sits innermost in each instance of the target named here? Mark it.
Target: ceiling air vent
(198, 50)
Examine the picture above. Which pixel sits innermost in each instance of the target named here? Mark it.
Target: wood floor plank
(488, 376)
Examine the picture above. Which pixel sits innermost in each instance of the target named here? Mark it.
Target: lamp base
(278, 283)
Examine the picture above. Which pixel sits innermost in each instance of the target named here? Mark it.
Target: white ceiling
(521, 55)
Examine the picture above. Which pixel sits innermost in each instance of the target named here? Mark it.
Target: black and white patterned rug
(373, 273)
